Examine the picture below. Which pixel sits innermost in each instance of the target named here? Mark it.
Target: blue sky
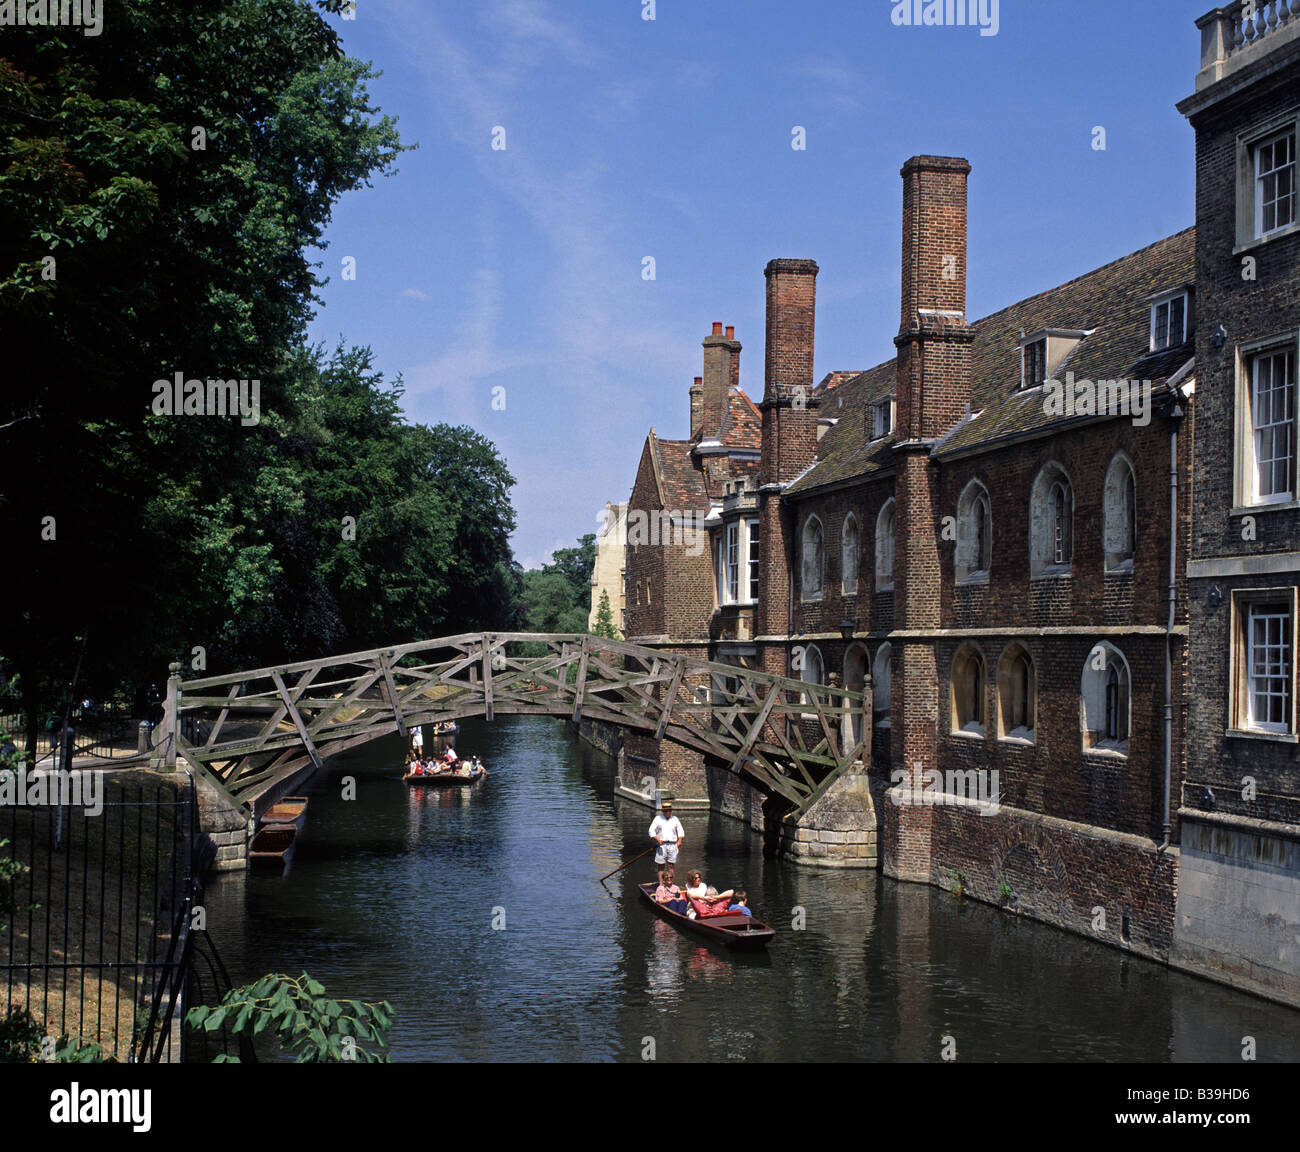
(625, 138)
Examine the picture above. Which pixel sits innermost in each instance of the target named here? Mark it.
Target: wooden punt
(287, 810)
(273, 844)
(735, 930)
(443, 779)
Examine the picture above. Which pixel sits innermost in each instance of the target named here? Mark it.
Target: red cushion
(709, 909)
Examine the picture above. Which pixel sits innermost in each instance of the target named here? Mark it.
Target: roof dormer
(1171, 318)
(1044, 351)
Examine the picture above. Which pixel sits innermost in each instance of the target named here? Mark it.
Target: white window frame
(1288, 133)
(883, 415)
(753, 574)
(1167, 302)
(1241, 693)
(1250, 190)
(735, 563)
(1246, 487)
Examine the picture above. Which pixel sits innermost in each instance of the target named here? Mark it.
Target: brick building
(997, 532)
(1239, 891)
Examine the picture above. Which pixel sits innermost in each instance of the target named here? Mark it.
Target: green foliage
(605, 618)
(176, 259)
(314, 1028)
(557, 596)
(22, 1041)
(1004, 893)
(959, 884)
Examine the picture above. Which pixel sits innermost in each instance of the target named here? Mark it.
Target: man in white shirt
(666, 831)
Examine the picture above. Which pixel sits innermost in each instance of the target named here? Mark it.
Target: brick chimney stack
(721, 370)
(697, 407)
(933, 338)
(933, 391)
(789, 410)
(789, 443)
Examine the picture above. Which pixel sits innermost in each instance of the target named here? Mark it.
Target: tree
(605, 618)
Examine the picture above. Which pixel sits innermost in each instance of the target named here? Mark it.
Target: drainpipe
(1175, 415)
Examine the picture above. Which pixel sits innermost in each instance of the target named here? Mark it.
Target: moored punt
(273, 844)
(287, 810)
(735, 929)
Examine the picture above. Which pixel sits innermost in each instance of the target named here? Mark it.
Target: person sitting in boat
(669, 895)
(740, 903)
(705, 894)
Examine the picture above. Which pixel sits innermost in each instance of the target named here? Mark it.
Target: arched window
(812, 559)
(1120, 515)
(1051, 523)
(811, 669)
(1017, 689)
(974, 533)
(885, 548)
(880, 684)
(968, 690)
(1104, 706)
(855, 680)
(849, 556)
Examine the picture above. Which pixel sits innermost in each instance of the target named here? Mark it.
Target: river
(477, 913)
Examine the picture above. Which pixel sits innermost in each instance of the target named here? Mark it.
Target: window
(1271, 382)
(733, 562)
(882, 417)
(849, 556)
(1119, 515)
(968, 682)
(1275, 188)
(753, 560)
(737, 563)
(810, 667)
(1016, 690)
(812, 559)
(885, 548)
(1051, 523)
(974, 534)
(1033, 364)
(1104, 704)
(880, 685)
(1169, 322)
(1263, 661)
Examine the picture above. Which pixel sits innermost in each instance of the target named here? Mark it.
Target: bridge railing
(248, 729)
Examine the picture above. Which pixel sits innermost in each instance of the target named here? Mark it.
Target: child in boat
(669, 895)
(741, 903)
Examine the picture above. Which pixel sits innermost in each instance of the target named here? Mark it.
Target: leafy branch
(313, 1027)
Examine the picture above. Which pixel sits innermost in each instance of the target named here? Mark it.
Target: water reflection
(394, 896)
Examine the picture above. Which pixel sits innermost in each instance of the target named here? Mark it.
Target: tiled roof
(680, 482)
(742, 425)
(1113, 301)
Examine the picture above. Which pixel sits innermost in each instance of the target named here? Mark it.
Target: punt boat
(273, 844)
(449, 779)
(287, 810)
(734, 929)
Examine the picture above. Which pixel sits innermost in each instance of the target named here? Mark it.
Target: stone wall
(1239, 904)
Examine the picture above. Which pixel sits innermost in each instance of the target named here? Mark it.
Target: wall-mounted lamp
(1216, 596)
(847, 628)
(1218, 338)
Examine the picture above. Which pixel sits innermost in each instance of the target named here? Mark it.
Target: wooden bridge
(245, 731)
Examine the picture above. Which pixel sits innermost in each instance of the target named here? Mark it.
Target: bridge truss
(247, 730)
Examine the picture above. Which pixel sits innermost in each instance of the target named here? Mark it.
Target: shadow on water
(479, 914)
